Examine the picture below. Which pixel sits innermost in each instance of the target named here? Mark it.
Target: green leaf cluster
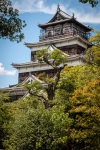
(93, 3)
(93, 54)
(5, 117)
(10, 24)
(38, 128)
(53, 58)
(85, 113)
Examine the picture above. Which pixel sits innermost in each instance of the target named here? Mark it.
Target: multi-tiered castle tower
(63, 32)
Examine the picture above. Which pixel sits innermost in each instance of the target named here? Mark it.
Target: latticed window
(49, 33)
(57, 31)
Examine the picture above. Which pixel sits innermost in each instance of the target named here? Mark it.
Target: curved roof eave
(29, 45)
(61, 13)
(52, 23)
(86, 27)
(66, 20)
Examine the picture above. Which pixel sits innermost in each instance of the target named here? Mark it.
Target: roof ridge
(65, 13)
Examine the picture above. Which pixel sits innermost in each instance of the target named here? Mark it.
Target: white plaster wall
(37, 48)
(47, 67)
(35, 68)
(60, 44)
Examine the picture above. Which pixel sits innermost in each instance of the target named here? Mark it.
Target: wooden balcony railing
(49, 37)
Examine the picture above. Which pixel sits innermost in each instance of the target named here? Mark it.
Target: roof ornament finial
(58, 7)
(73, 15)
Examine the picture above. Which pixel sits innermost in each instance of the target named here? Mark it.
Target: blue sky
(34, 12)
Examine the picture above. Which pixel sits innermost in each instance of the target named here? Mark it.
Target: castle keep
(62, 32)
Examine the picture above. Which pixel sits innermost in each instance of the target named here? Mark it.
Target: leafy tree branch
(93, 3)
(10, 24)
(56, 59)
(93, 53)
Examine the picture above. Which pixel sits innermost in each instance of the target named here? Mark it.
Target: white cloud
(89, 17)
(32, 6)
(6, 72)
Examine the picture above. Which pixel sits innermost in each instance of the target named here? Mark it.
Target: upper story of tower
(62, 25)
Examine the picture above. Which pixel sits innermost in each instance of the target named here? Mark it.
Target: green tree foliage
(56, 59)
(93, 3)
(82, 83)
(93, 53)
(4, 118)
(53, 58)
(10, 24)
(37, 90)
(75, 77)
(95, 39)
(38, 128)
(85, 112)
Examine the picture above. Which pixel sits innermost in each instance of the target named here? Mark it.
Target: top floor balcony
(53, 35)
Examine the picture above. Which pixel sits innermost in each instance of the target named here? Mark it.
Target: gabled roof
(30, 79)
(62, 17)
(59, 15)
(20, 87)
(53, 47)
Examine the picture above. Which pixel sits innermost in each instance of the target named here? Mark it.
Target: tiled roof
(64, 17)
(65, 14)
